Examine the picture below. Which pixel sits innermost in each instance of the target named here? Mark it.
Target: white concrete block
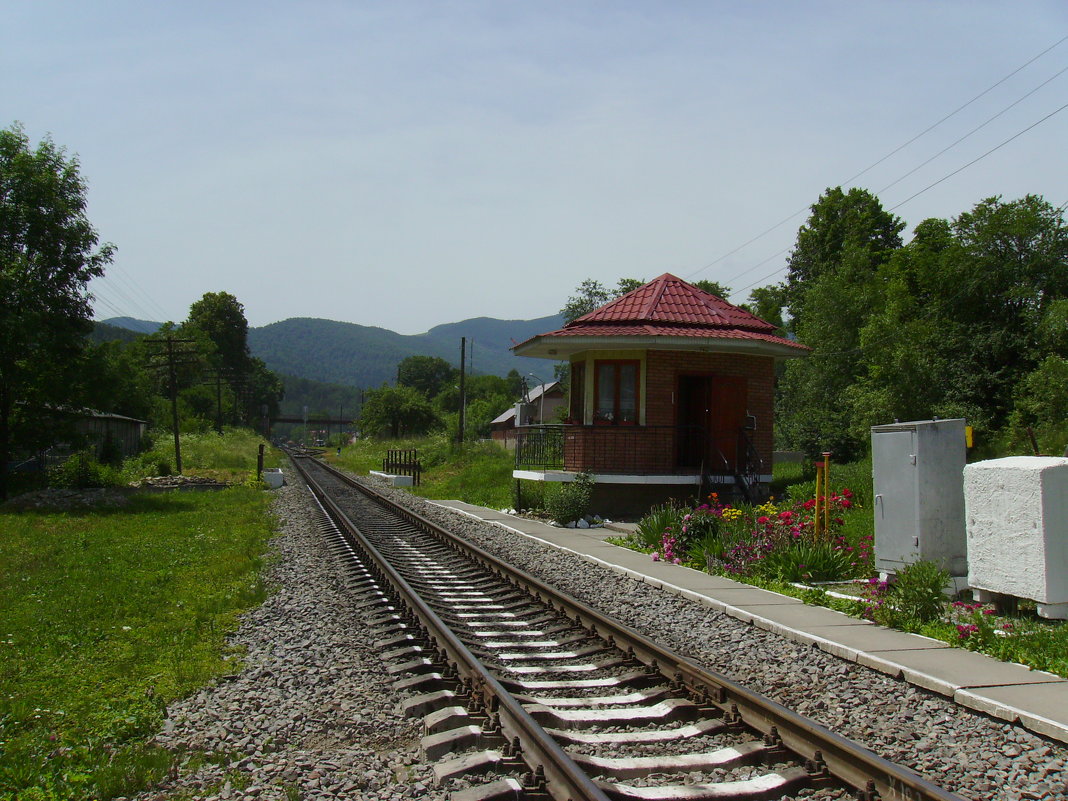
(273, 477)
(1017, 524)
(392, 480)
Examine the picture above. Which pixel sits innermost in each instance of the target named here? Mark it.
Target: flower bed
(777, 546)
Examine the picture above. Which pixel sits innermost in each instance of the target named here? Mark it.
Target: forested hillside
(363, 356)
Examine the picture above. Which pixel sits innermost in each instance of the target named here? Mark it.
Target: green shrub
(82, 470)
(917, 594)
(806, 561)
(706, 551)
(528, 495)
(570, 501)
(651, 528)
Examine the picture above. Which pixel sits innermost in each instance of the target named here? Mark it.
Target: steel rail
(564, 780)
(871, 775)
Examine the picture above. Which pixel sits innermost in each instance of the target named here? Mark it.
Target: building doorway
(711, 416)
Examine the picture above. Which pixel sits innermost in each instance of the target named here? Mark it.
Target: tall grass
(232, 454)
(476, 472)
(105, 616)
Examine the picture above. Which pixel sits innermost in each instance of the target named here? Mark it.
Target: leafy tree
(767, 303)
(840, 222)
(396, 411)
(973, 309)
(830, 292)
(626, 285)
(113, 377)
(428, 375)
(218, 319)
(515, 383)
(713, 288)
(591, 294)
(48, 254)
(221, 317)
(1042, 395)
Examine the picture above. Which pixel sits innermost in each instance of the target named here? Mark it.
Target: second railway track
(549, 698)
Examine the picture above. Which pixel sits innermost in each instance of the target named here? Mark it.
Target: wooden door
(711, 414)
(729, 404)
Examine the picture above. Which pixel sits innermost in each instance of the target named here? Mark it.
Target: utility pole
(173, 357)
(215, 375)
(463, 398)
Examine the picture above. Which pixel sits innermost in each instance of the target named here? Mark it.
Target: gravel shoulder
(312, 715)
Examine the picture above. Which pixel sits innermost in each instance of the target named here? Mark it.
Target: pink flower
(656, 556)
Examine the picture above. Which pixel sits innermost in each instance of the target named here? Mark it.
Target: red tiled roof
(667, 308)
(646, 329)
(669, 299)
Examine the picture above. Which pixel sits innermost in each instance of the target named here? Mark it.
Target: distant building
(105, 434)
(539, 405)
(671, 396)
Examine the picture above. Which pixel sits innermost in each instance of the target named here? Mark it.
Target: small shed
(103, 431)
(671, 396)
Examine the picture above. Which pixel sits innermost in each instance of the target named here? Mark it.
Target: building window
(616, 392)
(578, 391)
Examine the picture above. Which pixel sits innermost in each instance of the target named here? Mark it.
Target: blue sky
(405, 164)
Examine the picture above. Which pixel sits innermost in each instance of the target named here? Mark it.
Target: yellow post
(826, 493)
(816, 508)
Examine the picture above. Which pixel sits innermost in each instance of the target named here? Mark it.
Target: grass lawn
(105, 617)
(478, 472)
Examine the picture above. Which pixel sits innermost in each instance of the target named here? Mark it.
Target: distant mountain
(364, 356)
(133, 324)
(103, 332)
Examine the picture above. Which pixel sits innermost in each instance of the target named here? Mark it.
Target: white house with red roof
(671, 396)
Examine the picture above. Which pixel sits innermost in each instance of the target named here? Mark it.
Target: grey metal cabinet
(918, 472)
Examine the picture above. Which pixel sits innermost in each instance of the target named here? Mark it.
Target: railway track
(528, 693)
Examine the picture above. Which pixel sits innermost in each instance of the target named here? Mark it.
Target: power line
(956, 110)
(123, 277)
(979, 158)
(915, 195)
(972, 131)
(893, 152)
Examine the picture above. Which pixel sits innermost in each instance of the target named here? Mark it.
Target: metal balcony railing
(683, 450)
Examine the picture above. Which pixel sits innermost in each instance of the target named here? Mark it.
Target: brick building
(671, 396)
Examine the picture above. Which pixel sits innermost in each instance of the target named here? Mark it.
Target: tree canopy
(968, 319)
(49, 252)
(396, 412)
(427, 374)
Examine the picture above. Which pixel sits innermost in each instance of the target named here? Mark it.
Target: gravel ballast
(968, 753)
(312, 714)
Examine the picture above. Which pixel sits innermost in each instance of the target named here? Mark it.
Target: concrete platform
(1036, 700)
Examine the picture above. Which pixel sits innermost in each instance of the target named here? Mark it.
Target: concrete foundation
(1017, 529)
(392, 480)
(273, 477)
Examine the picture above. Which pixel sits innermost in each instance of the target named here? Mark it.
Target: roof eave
(562, 347)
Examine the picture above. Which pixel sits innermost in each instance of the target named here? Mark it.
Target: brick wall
(651, 448)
